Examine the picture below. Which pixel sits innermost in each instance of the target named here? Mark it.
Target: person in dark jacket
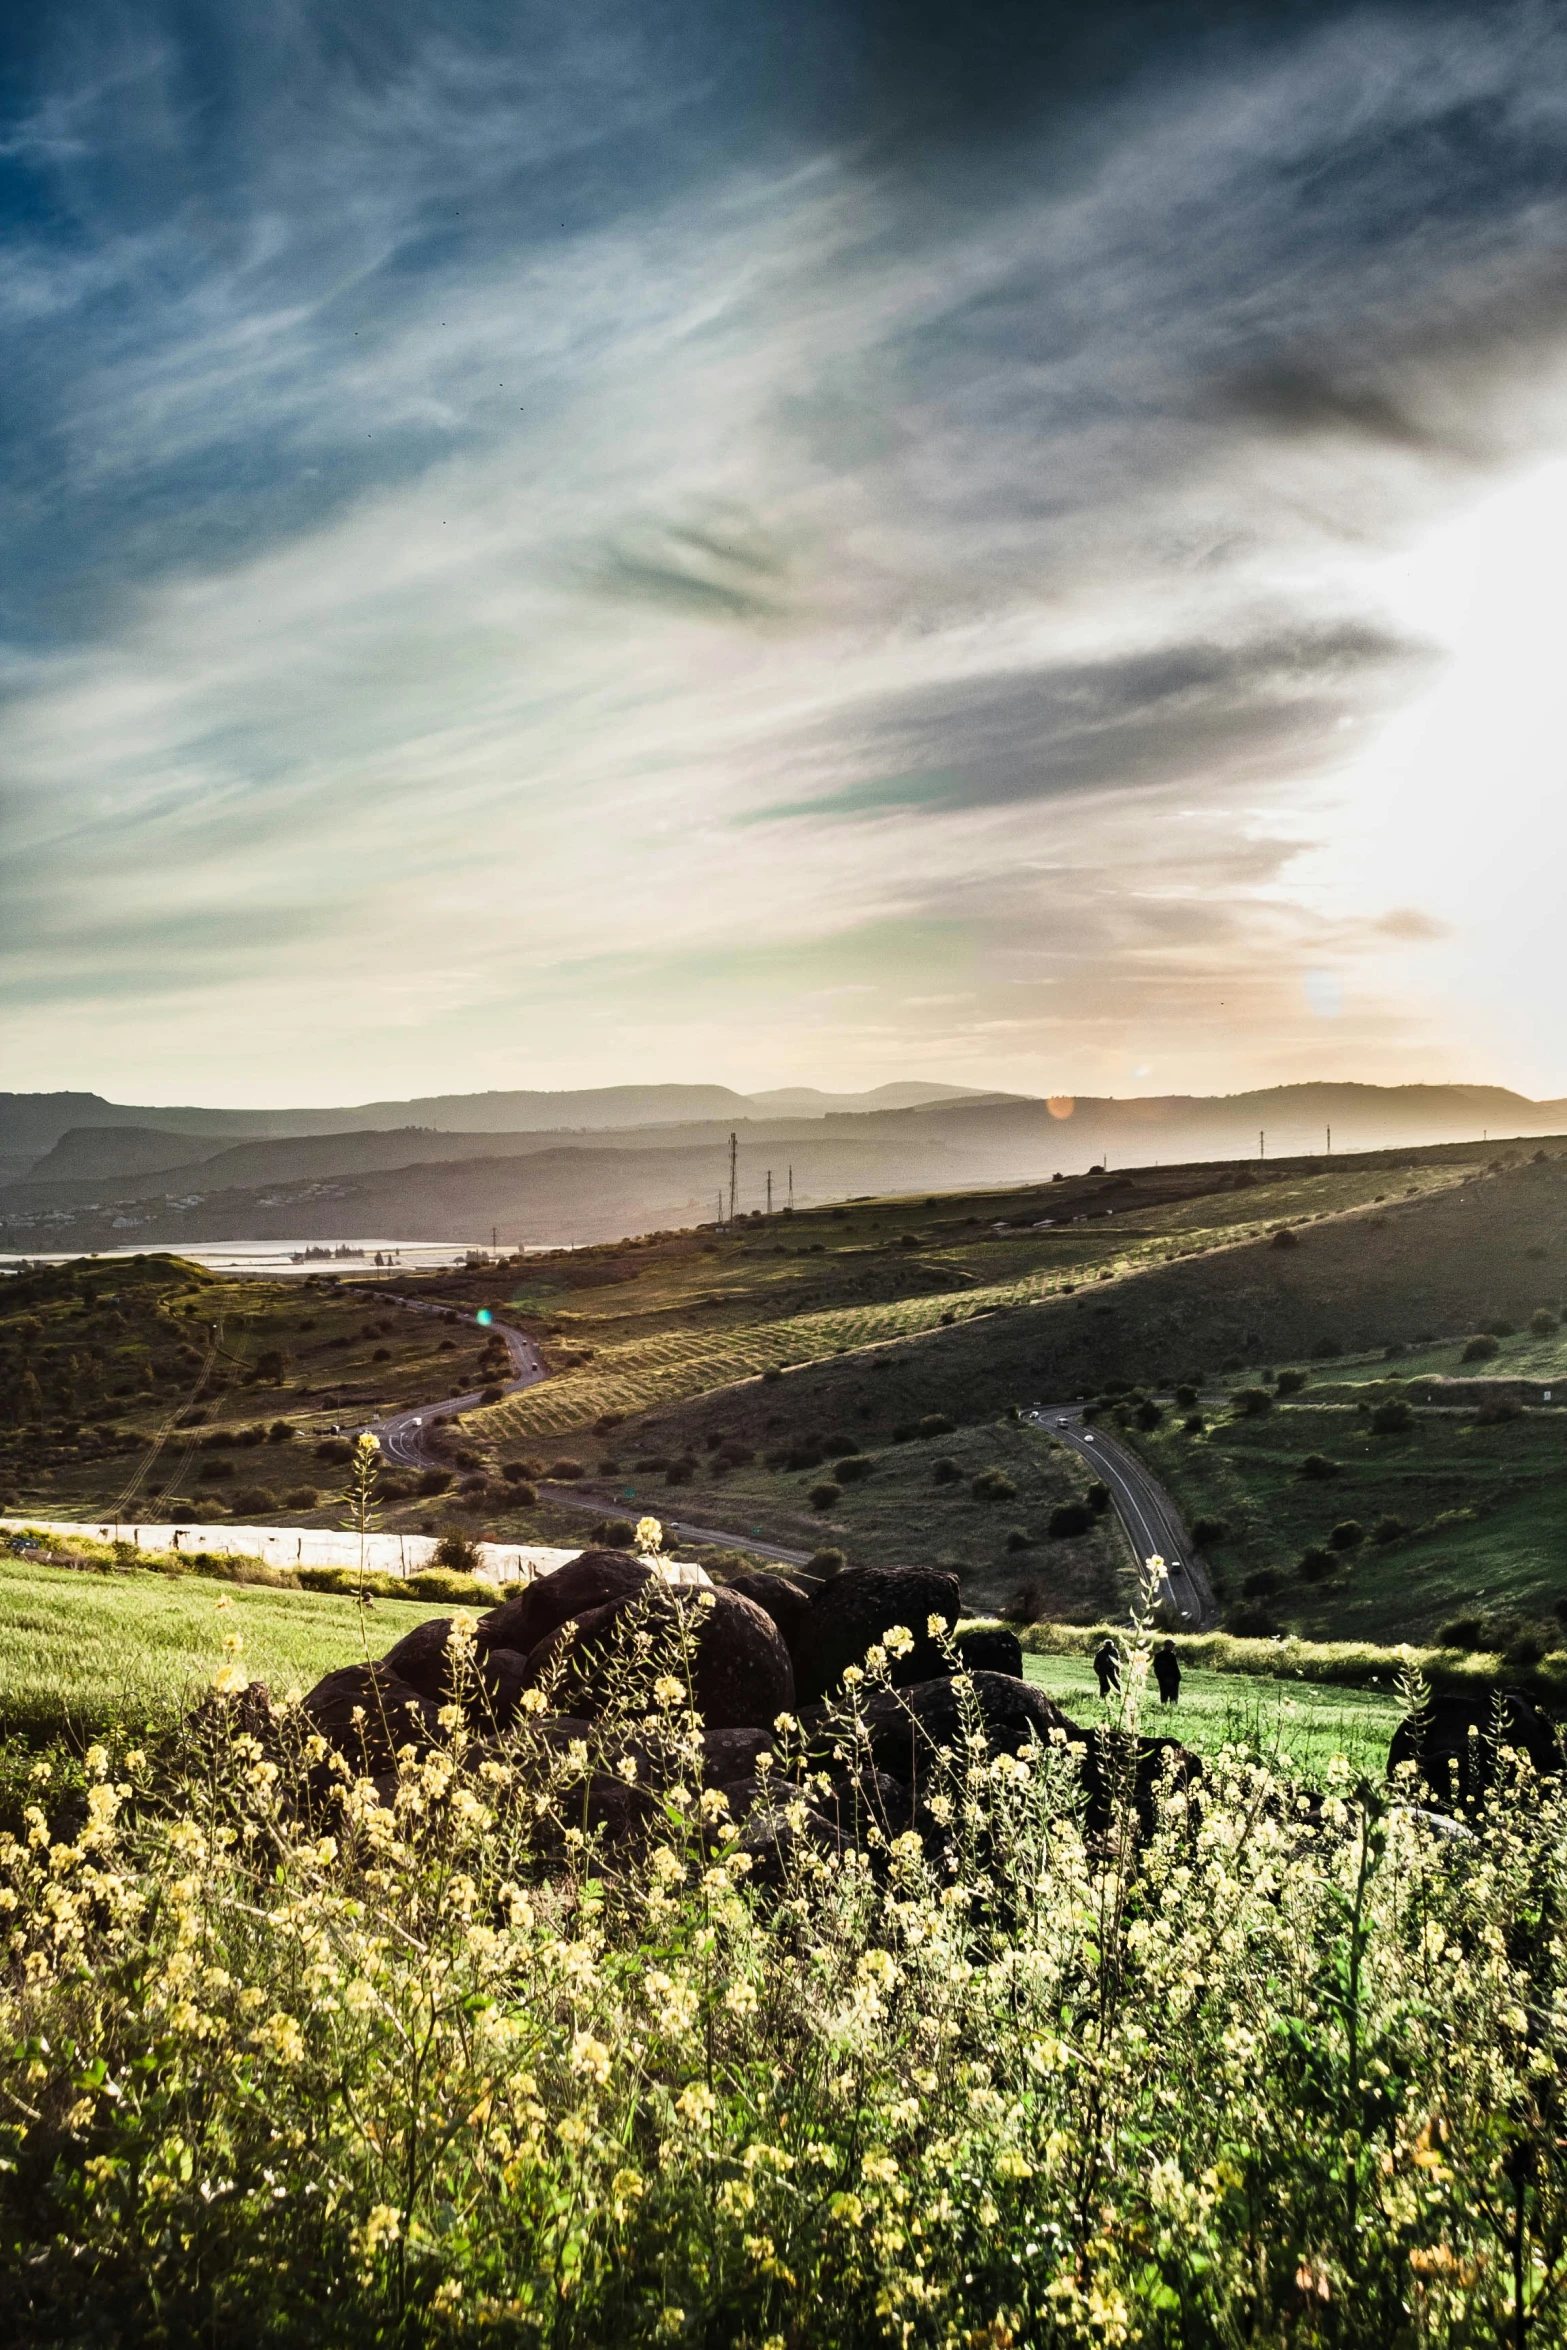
(1107, 1664)
(1167, 1672)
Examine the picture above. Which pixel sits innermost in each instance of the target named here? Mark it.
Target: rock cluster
(756, 1649)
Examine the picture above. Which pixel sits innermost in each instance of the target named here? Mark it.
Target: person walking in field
(1107, 1664)
(1167, 1672)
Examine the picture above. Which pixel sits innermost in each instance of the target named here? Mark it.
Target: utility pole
(1262, 1143)
(734, 1153)
(719, 1219)
(1330, 1142)
(769, 1191)
(791, 1191)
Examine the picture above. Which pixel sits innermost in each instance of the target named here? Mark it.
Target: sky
(636, 540)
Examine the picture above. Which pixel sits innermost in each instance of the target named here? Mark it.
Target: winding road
(1153, 1523)
(1147, 1512)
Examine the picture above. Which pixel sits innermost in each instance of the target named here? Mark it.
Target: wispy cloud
(520, 546)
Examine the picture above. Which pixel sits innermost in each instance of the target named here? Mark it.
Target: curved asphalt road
(404, 1439)
(1149, 1515)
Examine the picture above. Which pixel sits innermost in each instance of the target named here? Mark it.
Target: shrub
(1542, 1322)
(213, 1472)
(1207, 1531)
(516, 1472)
(772, 1373)
(1098, 1497)
(1480, 1348)
(853, 1469)
(520, 1495)
(1194, 1424)
(1291, 1382)
(458, 1589)
(1262, 1583)
(1464, 1632)
(824, 1494)
(334, 1448)
(1498, 1329)
(1249, 1403)
(680, 1472)
(1149, 1416)
(1186, 1396)
(614, 1534)
(934, 1424)
(1019, 1538)
(1348, 1534)
(826, 1564)
(280, 1432)
(302, 1497)
(566, 1471)
(434, 1481)
(1393, 1349)
(1317, 1465)
(946, 1472)
(1285, 1238)
(1317, 1564)
(1391, 1418)
(993, 1485)
(1388, 1529)
(454, 1554)
(1324, 1350)
(1069, 1519)
(254, 1501)
(490, 1394)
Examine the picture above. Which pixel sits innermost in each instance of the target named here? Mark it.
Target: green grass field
(1485, 1505)
(81, 1649)
(1298, 1723)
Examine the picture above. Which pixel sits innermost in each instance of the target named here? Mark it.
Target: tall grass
(416, 2059)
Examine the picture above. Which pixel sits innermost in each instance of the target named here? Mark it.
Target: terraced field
(648, 1344)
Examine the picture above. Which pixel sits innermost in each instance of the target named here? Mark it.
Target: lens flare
(484, 1317)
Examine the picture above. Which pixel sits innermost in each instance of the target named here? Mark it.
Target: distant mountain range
(80, 1172)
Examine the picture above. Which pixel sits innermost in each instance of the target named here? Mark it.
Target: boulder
(852, 1612)
(390, 1714)
(496, 1678)
(1457, 1738)
(788, 1603)
(906, 1727)
(502, 1679)
(589, 1581)
(742, 1674)
(728, 1755)
(991, 1650)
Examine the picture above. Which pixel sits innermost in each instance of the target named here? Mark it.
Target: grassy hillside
(79, 1651)
(1301, 1724)
(1480, 1503)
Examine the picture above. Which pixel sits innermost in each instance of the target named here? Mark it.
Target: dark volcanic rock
(993, 1650)
(502, 1680)
(789, 1605)
(907, 1726)
(591, 1581)
(853, 1611)
(728, 1755)
(742, 1675)
(1457, 1738)
(495, 1679)
(391, 1714)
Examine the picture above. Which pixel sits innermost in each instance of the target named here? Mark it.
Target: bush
(934, 1424)
(1325, 1350)
(853, 1469)
(1249, 1403)
(454, 1554)
(1317, 1465)
(1391, 1418)
(434, 1481)
(520, 1496)
(826, 1564)
(1498, 1329)
(1262, 1583)
(254, 1501)
(1542, 1322)
(614, 1534)
(1317, 1564)
(1069, 1519)
(280, 1432)
(334, 1448)
(1019, 1538)
(946, 1472)
(566, 1471)
(1098, 1497)
(1285, 1238)
(517, 1472)
(772, 1374)
(1291, 1382)
(1348, 1534)
(993, 1485)
(1207, 1531)
(1464, 1632)
(1194, 1424)
(302, 1497)
(1186, 1396)
(823, 1495)
(1480, 1348)
(1388, 1529)
(1149, 1416)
